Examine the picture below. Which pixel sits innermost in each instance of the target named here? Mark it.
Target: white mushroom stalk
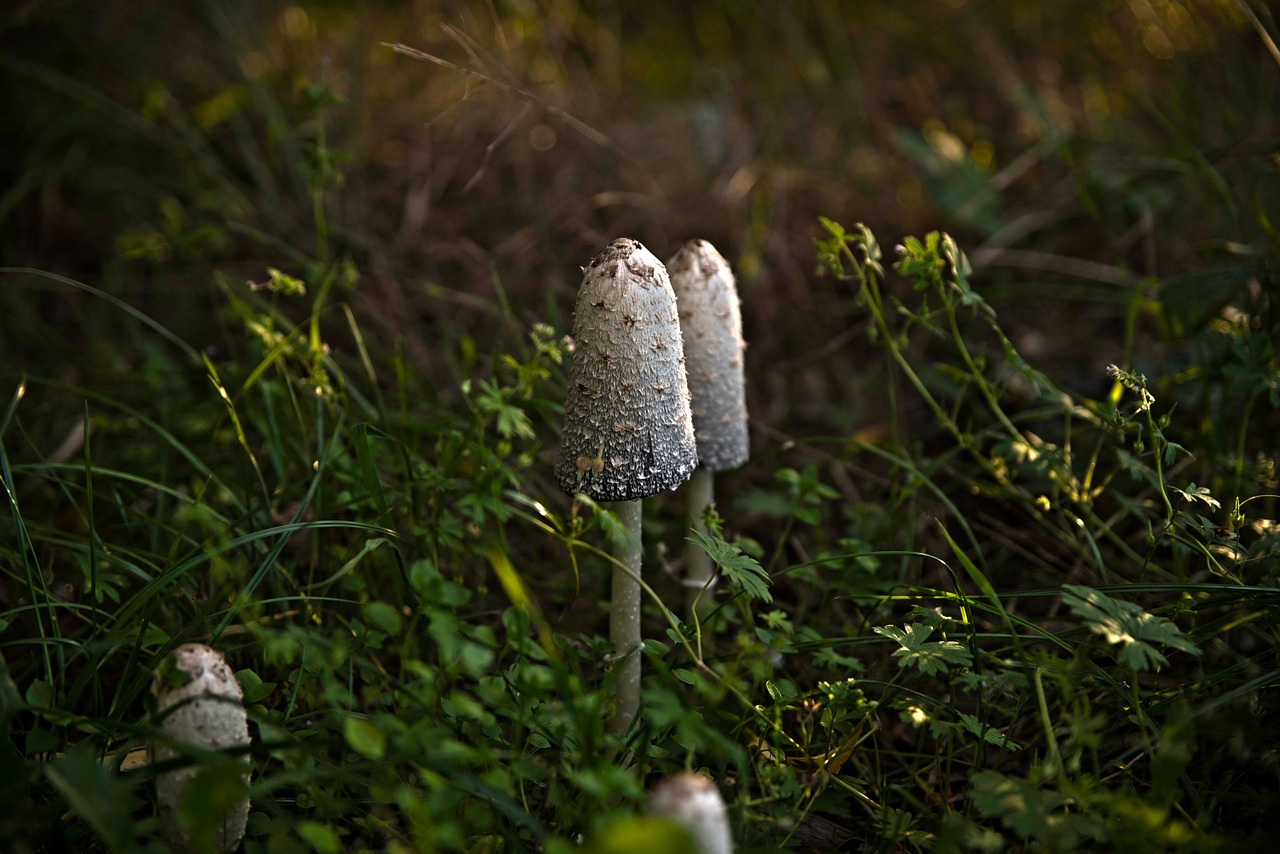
(711, 322)
(693, 802)
(628, 431)
(205, 710)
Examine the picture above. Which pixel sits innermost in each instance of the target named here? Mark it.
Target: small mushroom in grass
(711, 322)
(200, 703)
(693, 802)
(628, 432)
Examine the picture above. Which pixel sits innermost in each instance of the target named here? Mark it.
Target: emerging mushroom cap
(628, 431)
(693, 802)
(206, 711)
(711, 321)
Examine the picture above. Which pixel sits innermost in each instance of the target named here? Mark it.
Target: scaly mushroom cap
(693, 802)
(206, 711)
(628, 432)
(711, 321)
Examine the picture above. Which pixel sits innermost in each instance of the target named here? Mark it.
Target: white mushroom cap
(711, 321)
(206, 711)
(693, 802)
(628, 431)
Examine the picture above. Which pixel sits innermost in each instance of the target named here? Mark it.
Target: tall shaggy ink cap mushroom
(204, 709)
(711, 321)
(628, 433)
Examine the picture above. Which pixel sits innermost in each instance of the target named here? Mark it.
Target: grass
(1001, 573)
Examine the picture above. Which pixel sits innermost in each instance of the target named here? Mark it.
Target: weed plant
(1020, 607)
(399, 589)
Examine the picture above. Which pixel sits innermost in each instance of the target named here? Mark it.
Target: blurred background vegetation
(171, 172)
(1109, 168)
(145, 145)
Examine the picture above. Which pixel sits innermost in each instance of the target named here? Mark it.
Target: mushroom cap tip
(711, 322)
(628, 430)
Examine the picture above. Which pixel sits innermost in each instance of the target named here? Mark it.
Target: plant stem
(1240, 441)
(624, 618)
(700, 600)
(1050, 739)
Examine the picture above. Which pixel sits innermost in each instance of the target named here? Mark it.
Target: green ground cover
(282, 367)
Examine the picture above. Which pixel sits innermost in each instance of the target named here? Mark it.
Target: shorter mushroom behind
(628, 432)
(199, 703)
(693, 802)
(711, 322)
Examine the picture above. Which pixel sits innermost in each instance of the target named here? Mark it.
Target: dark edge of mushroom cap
(628, 431)
(711, 322)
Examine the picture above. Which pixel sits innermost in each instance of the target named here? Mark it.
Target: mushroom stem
(624, 619)
(700, 596)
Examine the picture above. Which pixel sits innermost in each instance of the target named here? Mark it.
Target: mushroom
(205, 709)
(628, 432)
(711, 321)
(693, 802)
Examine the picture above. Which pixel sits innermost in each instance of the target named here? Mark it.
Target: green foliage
(102, 798)
(365, 738)
(1032, 812)
(918, 651)
(1126, 625)
(1072, 800)
(639, 836)
(742, 570)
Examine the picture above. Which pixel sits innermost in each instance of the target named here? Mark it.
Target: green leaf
(930, 656)
(41, 694)
(989, 734)
(739, 568)
(1024, 807)
(827, 658)
(781, 691)
(512, 422)
(833, 228)
(382, 616)
(255, 690)
(1197, 493)
(892, 824)
(433, 587)
(635, 835)
(1126, 624)
(364, 737)
(321, 837)
(778, 621)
